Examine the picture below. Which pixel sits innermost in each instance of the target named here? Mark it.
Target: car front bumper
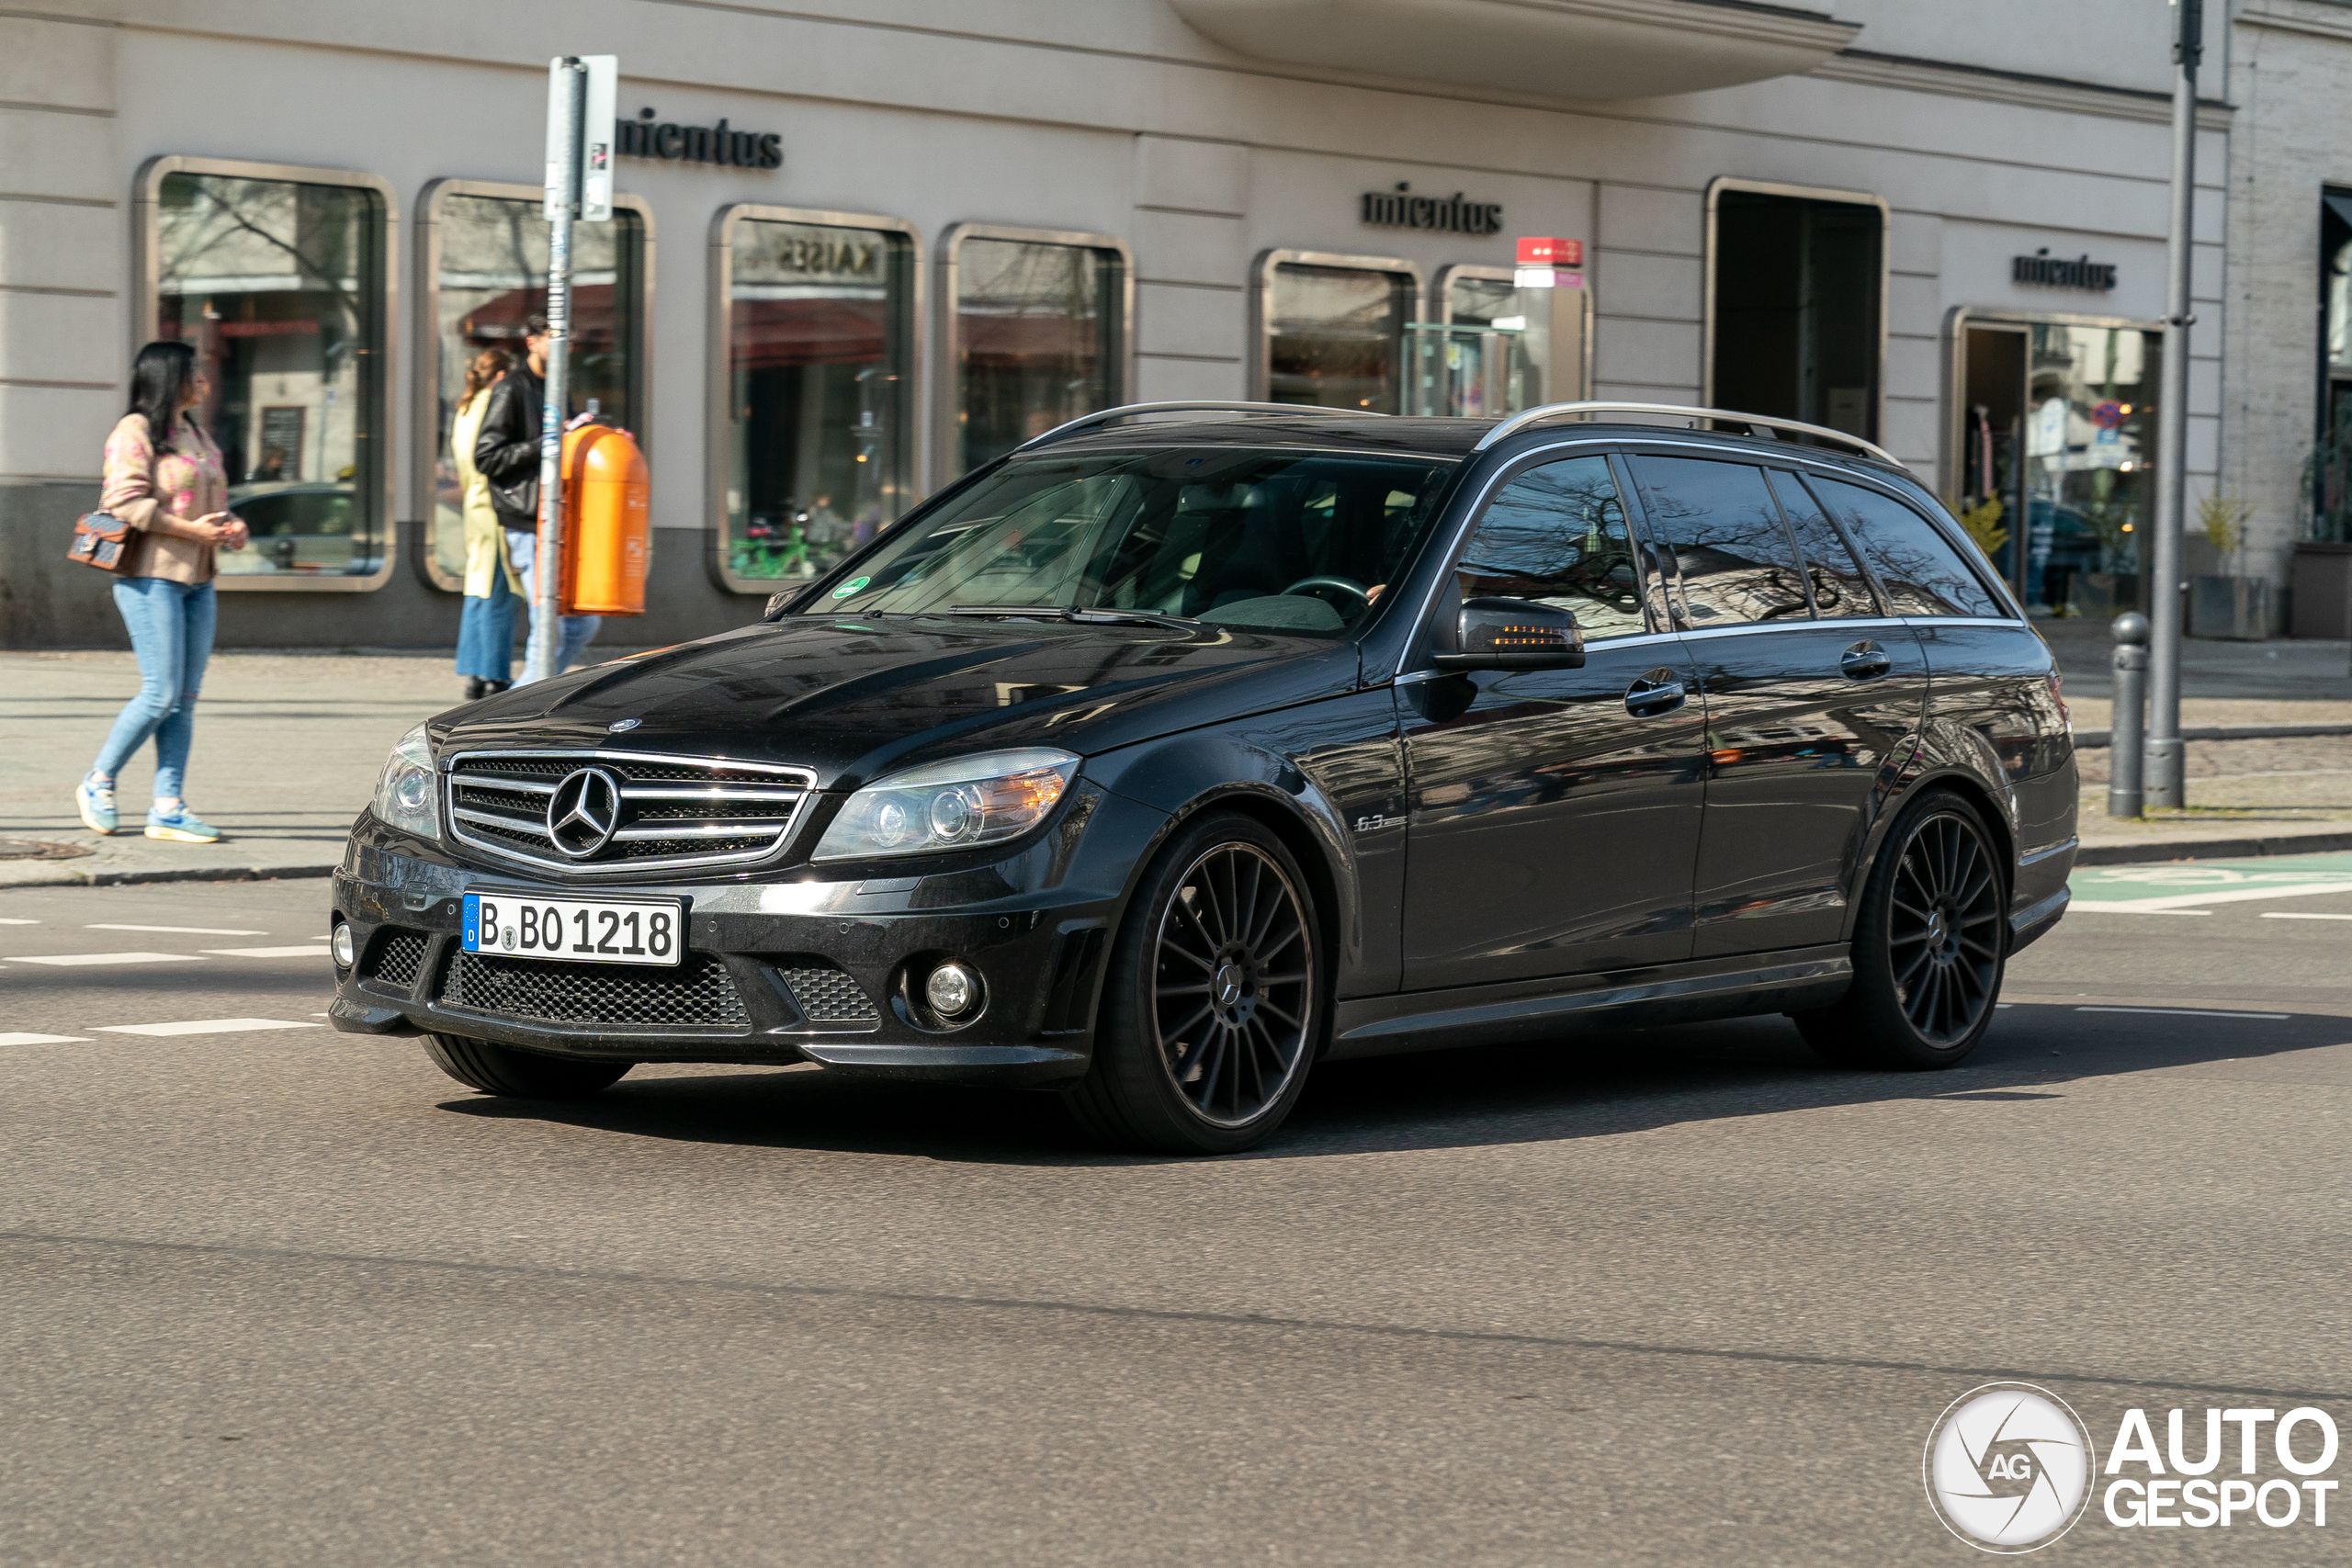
(774, 971)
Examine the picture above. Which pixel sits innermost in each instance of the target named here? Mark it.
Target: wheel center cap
(1227, 984)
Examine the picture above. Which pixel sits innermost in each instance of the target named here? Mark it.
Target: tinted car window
(1720, 524)
(1279, 540)
(1922, 572)
(1556, 534)
(1838, 586)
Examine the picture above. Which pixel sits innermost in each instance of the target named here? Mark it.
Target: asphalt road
(273, 1295)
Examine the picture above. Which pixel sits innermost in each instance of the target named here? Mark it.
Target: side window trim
(1879, 599)
(1669, 567)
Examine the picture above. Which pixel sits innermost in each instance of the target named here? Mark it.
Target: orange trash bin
(607, 523)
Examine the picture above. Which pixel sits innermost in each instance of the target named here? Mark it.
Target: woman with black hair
(163, 476)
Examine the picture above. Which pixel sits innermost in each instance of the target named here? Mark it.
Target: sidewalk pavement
(287, 746)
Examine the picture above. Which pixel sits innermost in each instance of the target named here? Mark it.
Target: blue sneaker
(96, 803)
(182, 827)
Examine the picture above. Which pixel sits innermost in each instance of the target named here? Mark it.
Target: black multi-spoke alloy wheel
(496, 1070)
(1212, 1011)
(1929, 943)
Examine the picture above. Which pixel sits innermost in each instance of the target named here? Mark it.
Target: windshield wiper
(1075, 613)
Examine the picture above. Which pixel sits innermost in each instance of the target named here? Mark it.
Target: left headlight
(406, 795)
(951, 805)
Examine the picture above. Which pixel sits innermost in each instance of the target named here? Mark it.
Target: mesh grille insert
(400, 955)
(697, 993)
(827, 996)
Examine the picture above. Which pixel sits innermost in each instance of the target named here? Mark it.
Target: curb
(2094, 739)
(133, 876)
(2211, 849)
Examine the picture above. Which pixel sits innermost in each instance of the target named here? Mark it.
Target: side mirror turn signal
(1515, 634)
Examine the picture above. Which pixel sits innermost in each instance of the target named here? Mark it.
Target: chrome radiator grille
(604, 812)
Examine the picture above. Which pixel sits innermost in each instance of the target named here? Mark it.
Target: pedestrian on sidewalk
(164, 478)
(486, 629)
(507, 453)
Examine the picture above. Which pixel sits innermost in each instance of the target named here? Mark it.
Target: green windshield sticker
(852, 586)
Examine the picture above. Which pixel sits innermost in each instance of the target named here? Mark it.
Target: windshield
(1282, 541)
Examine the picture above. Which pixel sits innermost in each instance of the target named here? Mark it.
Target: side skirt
(1521, 1011)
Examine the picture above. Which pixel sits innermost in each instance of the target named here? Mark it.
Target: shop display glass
(279, 286)
(1338, 336)
(493, 276)
(1038, 341)
(820, 366)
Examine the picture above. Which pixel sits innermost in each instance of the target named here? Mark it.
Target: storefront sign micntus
(1448, 214)
(643, 138)
(2058, 271)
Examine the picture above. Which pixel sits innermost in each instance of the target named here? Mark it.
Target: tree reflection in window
(1733, 552)
(1556, 534)
(1921, 570)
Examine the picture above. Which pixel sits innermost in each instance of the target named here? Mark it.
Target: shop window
(1037, 332)
(2331, 479)
(277, 277)
(1332, 329)
(486, 265)
(818, 356)
(1796, 322)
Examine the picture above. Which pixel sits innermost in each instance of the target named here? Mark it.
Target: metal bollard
(2128, 731)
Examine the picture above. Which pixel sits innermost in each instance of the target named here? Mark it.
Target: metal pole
(2127, 731)
(2164, 748)
(546, 622)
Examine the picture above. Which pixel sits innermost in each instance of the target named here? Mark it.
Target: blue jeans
(170, 631)
(486, 632)
(577, 631)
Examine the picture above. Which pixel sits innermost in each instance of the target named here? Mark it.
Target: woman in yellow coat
(486, 633)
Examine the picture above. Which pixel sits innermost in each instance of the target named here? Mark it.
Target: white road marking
(306, 951)
(2301, 915)
(179, 930)
(44, 1039)
(2228, 896)
(68, 960)
(19, 922)
(2192, 1012)
(203, 1026)
(2086, 905)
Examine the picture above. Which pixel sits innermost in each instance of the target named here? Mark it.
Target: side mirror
(1515, 634)
(779, 603)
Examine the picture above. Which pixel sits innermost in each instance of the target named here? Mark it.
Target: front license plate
(576, 931)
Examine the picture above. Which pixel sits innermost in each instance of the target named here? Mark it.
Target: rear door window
(1720, 524)
(1839, 589)
(1923, 572)
(1556, 534)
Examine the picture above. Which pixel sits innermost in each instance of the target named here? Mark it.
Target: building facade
(864, 244)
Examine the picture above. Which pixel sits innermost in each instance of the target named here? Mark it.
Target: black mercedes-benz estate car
(1190, 745)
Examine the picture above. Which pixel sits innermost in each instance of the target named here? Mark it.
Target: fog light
(952, 989)
(340, 942)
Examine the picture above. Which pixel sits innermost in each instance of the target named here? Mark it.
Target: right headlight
(951, 805)
(407, 794)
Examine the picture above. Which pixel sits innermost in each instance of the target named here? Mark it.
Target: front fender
(1183, 775)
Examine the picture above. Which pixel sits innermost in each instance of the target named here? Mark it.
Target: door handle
(1864, 662)
(1659, 692)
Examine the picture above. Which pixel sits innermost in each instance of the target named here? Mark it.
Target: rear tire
(1214, 1004)
(525, 1074)
(1931, 942)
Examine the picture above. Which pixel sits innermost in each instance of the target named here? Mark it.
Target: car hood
(855, 698)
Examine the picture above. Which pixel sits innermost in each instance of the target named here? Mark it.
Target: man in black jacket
(507, 453)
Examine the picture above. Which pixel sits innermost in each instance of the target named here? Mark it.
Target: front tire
(525, 1074)
(1214, 1004)
(1930, 946)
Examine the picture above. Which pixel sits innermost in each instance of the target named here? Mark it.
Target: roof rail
(1089, 422)
(1520, 422)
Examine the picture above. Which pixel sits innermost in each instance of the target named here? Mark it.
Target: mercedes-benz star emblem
(583, 811)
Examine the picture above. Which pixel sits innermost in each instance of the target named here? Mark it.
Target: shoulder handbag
(100, 539)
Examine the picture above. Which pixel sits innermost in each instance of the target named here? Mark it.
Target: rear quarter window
(1923, 572)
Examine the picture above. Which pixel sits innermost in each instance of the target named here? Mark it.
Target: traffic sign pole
(567, 111)
(2163, 781)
